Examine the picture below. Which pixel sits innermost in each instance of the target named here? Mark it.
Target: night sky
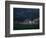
(20, 14)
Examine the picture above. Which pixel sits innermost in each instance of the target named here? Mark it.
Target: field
(25, 26)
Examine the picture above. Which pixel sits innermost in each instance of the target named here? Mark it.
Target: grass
(25, 26)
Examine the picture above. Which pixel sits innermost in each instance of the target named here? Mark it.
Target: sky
(20, 14)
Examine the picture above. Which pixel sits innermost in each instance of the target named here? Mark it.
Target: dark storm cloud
(21, 14)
